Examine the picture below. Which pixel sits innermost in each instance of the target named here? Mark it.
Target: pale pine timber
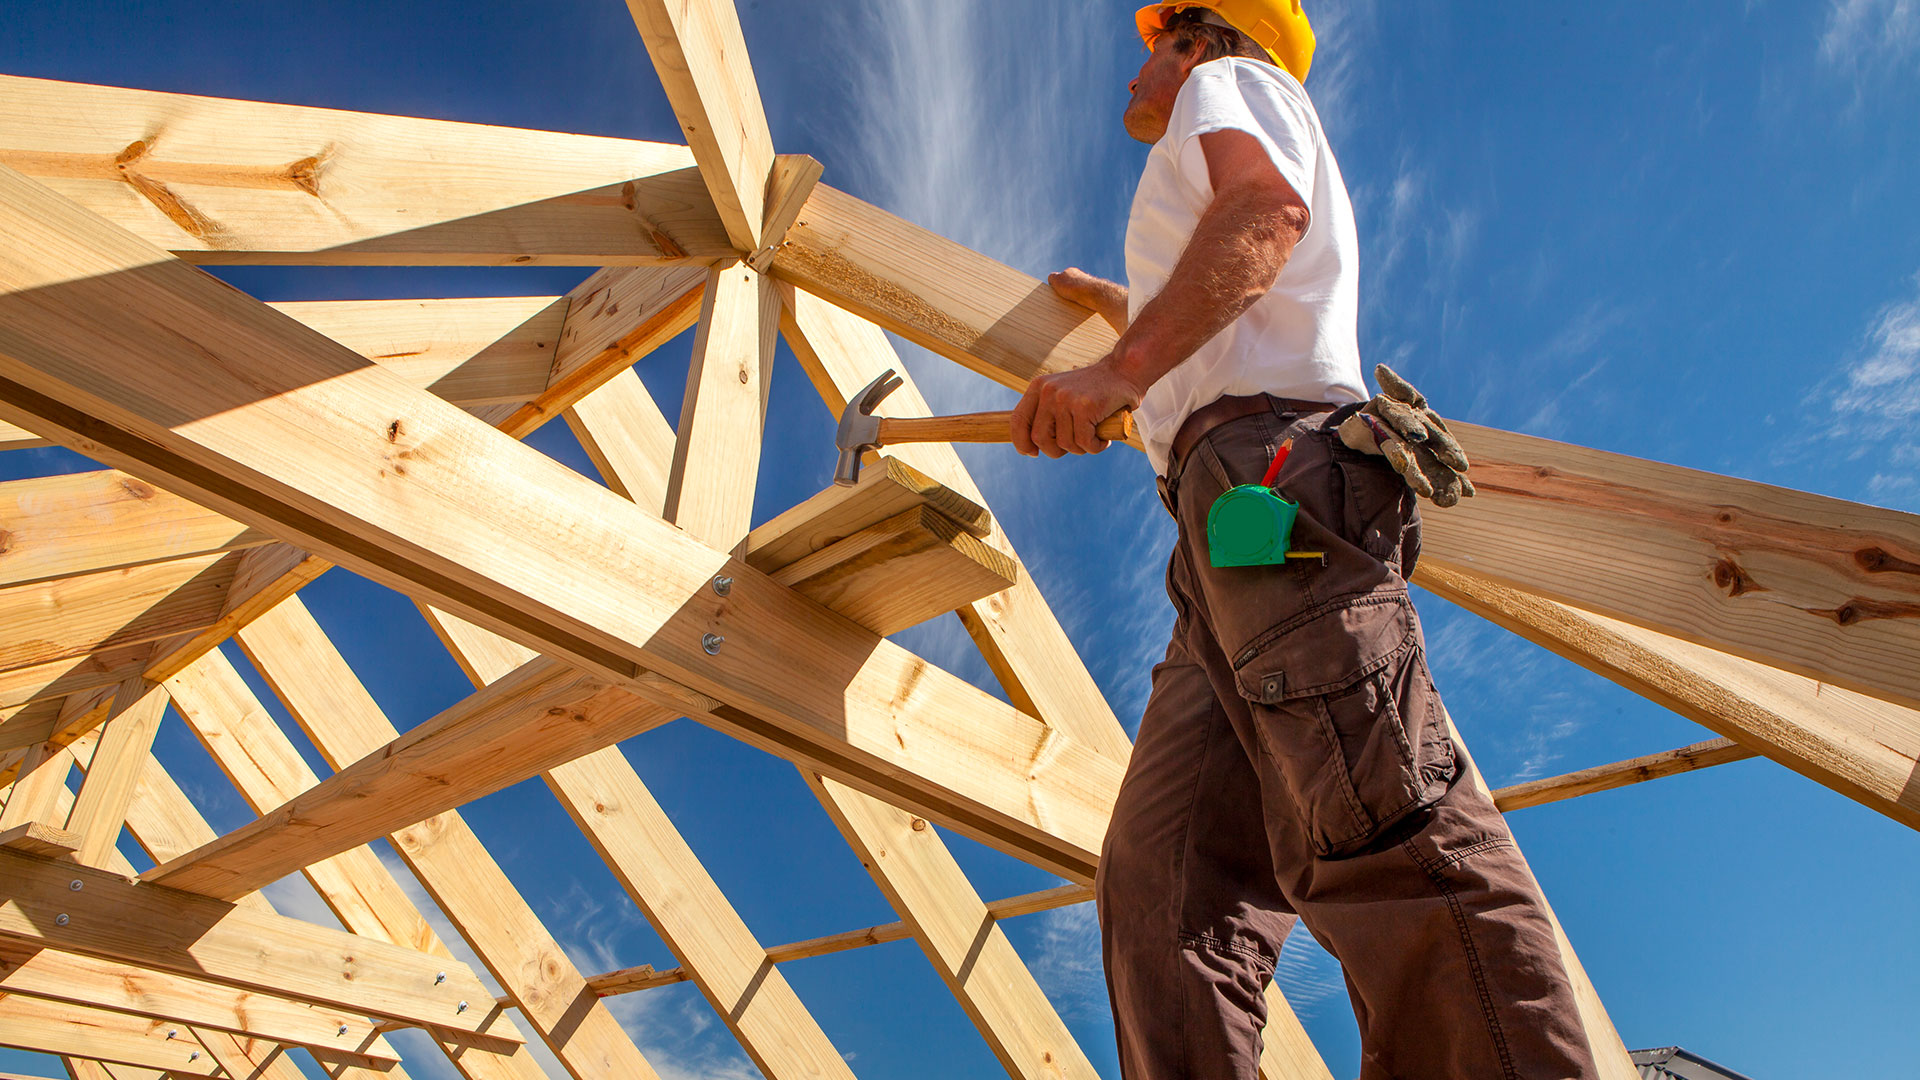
(53, 1027)
(66, 618)
(125, 743)
(45, 841)
(1620, 774)
(60, 526)
(332, 706)
(41, 779)
(487, 351)
(267, 771)
(1862, 747)
(727, 386)
(1016, 631)
(59, 679)
(901, 572)
(86, 980)
(807, 684)
(223, 181)
(701, 57)
(169, 930)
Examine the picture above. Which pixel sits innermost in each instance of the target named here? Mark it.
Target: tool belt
(1220, 411)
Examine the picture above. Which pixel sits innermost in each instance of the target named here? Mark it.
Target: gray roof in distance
(1673, 1063)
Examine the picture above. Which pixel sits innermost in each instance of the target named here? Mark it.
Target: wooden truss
(250, 447)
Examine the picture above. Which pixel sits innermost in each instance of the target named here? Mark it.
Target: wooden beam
(889, 488)
(1862, 747)
(86, 980)
(726, 399)
(60, 526)
(61, 678)
(697, 48)
(42, 777)
(222, 181)
(169, 930)
(490, 351)
(901, 572)
(626, 438)
(45, 841)
(262, 577)
(549, 560)
(125, 743)
(327, 699)
(267, 771)
(614, 318)
(57, 620)
(1620, 774)
(1823, 588)
(935, 293)
(1016, 631)
(51, 1027)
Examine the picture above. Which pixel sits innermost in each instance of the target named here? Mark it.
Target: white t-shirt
(1300, 340)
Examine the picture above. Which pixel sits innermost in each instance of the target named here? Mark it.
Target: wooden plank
(717, 454)
(61, 678)
(60, 526)
(262, 578)
(469, 351)
(19, 438)
(788, 189)
(936, 293)
(327, 699)
(1620, 774)
(550, 559)
(41, 779)
(542, 715)
(1016, 632)
(886, 489)
(66, 618)
(664, 879)
(223, 181)
(45, 841)
(901, 572)
(1865, 748)
(626, 438)
(125, 743)
(86, 980)
(169, 930)
(911, 865)
(1816, 586)
(698, 49)
(50, 1027)
(614, 318)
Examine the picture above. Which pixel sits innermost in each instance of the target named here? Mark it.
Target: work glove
(1399, 426)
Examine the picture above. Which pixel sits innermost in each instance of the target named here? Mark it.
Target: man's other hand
(1107, 299)
(1060, 413)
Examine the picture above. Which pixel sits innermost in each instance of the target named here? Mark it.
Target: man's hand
(1108, 299)
(1059, 413)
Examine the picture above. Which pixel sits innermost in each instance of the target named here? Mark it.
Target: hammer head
(860, 429)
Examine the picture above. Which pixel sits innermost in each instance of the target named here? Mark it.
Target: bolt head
(439, 978)
(343, 1029)
(711, 643)
(722, 585)
(60, 919)
(195, 1056)
(462, 1008)
(174, 1034)
(76, 885)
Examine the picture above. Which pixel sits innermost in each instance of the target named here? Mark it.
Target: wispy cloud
(1876, 402)
(1309, 976)
(1872, 39)
(1066, 962)
(1518, 730)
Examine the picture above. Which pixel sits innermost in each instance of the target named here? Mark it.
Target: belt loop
(1167, 496)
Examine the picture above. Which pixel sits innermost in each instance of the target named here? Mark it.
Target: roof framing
(253, 446)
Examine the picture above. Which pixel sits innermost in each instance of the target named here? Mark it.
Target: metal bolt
(343, 1029)
(722, 585)
(60, 919)
(712, 643)
(75, 885)
(195, 1056)
(174, 1034)
(440, 978)
(462, 1008)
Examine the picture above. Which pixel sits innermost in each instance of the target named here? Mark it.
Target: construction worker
(1294, 761)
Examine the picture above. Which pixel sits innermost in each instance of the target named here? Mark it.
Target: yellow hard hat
(1278, 26)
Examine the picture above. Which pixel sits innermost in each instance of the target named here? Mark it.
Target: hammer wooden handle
(991, 427)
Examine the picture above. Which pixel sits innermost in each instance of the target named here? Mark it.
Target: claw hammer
(861, 431)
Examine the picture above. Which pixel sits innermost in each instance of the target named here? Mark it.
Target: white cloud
(1876, 401)
(1067, 962)
(1309, 976)
(1871, 39)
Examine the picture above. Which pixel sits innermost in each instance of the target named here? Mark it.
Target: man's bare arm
(1107, 299)
(1235, 254)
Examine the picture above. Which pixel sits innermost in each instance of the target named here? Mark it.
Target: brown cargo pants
(1294, 763)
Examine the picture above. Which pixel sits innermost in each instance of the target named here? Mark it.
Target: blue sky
(1687, 232)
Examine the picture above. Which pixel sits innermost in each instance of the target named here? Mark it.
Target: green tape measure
(1250, 525)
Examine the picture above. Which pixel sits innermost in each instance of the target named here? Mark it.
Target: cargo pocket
(1346, 711)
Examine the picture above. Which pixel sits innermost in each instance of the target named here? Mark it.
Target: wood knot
(523, 258)
(1880, 561)
(1733, 580)
(1858, 610)
(393, 431)
(919, 824)
(1725, 517)
(6, 541)
(556, 711)
(138, 489)
(134, 152)
(305, 175)
(1545, 472)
